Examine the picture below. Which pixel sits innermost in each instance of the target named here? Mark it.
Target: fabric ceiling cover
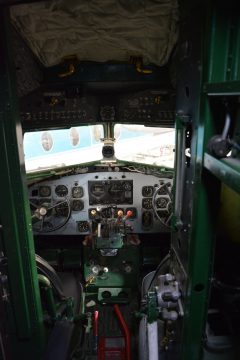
(99, 30)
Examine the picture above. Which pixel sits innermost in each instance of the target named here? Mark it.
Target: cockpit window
(142, 144)
(78, 145)
(57, 148)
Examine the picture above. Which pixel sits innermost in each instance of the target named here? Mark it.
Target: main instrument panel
(67, 205)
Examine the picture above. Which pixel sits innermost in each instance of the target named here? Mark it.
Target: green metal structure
(23, 302)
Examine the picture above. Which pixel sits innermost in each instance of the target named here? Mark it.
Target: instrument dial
(44, 191)
(61, 190)
(77, 192)
(62, 209)
(147, 203)
(161, 202)
(165, 189)
(147, 219)
(127, 186)
(77, 205)
(147, 191)
(83, 226)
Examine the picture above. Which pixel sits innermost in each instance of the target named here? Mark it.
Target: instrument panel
(110, 191)
(67, 204)
(72, 107)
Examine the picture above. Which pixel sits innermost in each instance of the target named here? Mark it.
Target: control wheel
(162, 203)
(48, 216)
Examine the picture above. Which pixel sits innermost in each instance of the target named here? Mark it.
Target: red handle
(125, 331)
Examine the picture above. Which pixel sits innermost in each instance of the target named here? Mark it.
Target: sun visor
(109, 30)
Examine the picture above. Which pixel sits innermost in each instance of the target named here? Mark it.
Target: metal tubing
(43, 280)
(125, 330)
(152, 340)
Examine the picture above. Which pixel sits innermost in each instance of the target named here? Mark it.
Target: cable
(164, 260)
(226, 126)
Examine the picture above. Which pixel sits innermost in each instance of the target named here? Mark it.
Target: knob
(120, 213)
(93, 212)
(129, 213)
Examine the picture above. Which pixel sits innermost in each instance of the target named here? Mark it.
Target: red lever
(125, 331)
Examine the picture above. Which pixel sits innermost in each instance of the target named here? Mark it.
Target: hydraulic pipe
(152, 330)
(125, 331)
(46, 285)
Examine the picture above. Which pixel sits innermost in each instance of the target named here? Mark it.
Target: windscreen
(57, 148)
(51, 149)
(142, 144)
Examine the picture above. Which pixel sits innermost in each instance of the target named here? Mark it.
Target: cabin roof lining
(98, 31)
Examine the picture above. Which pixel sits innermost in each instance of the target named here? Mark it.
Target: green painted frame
(220, 76)
(25, 320)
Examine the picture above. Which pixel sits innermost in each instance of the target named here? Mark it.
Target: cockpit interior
(120, 179)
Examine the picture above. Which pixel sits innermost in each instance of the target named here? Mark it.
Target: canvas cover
(99, 30)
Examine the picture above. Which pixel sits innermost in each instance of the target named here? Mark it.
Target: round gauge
(77, 205)
(147, 191)
(77, 192)
(44, 191)
(161, 202)
(62, 209)
(147, 219)
(127, 186)
(61, 190)
(83, 226)
(162, 191)
(147, 203)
